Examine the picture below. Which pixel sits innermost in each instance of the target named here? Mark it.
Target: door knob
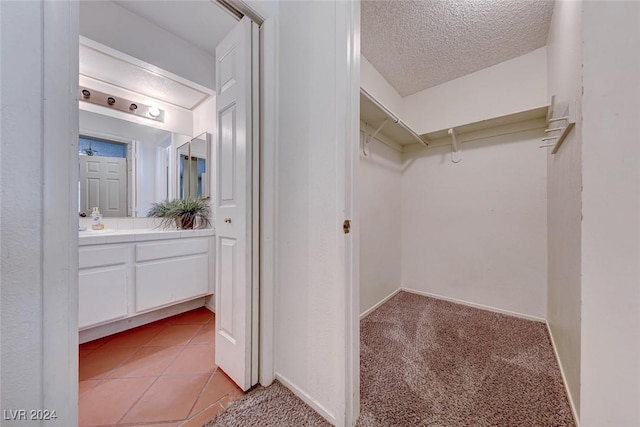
(227, 220)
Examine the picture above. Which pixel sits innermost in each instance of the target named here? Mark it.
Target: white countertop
(99, 237)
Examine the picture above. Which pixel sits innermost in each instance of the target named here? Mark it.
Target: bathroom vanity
(132, 272)
(125, 274)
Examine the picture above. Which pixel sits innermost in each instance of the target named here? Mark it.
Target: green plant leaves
(169, 210)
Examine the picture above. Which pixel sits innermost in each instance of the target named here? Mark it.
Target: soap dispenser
(97, 219)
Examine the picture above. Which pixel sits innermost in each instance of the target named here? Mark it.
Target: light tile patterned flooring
(158, 375)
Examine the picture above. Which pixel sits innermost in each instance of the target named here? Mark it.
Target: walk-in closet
(453, 218)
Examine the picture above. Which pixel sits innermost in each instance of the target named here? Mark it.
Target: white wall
(611, 209)
(515, 85)
(475, 231)
(380, 203)
(38, 222)
(311, 323)
(564, 189)
(116, 27)
(373, 82)
(204, 117)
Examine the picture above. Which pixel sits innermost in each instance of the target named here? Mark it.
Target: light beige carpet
(273, 406)
(427, 362)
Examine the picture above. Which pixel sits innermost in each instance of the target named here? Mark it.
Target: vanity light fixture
(106, 100)
(154, 111)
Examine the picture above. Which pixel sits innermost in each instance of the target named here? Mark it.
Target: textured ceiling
(419, 44)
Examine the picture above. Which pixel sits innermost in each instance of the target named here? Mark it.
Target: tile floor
(158, 375)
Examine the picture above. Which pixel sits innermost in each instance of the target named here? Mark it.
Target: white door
(236, 253)
(103, 183)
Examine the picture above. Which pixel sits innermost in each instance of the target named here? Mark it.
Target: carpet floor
(427, 362)
(273, 406)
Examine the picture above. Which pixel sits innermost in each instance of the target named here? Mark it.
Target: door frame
(60, 287)
(351, 266)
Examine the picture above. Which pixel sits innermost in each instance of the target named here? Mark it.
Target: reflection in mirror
(193, 168)
(103, 176)
(124, 166)
(184, 176)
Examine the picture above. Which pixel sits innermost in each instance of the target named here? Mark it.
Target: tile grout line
(211, 375)
(206, 383)
(111, 372)
(161, 329)
(108, 375)
(157, 377)
(161, 374)
(201, 392)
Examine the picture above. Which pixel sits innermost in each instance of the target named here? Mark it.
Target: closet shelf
(374, 114)
(507, 119)
(558, 127)
(379, 120)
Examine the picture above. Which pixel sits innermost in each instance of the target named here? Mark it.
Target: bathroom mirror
(156, 157)
(192, 167)
(124, 166)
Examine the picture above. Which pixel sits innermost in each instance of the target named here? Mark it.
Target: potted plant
(186, 213)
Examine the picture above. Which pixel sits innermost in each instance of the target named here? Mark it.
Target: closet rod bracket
(454, 146)
(379, 128)
(368, 138)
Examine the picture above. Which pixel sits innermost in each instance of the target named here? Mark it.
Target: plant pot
(185, 222)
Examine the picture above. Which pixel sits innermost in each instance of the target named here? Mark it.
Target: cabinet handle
(227, 220)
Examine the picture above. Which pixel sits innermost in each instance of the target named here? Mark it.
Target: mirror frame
(206, 191)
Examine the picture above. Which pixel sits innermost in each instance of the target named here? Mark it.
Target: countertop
(99, 237)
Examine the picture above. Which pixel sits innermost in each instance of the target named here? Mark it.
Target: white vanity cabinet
(103, 284)
(124, 275)
(170, 272)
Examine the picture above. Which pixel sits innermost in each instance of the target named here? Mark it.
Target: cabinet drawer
(102, 295)
(184, 247)
(101, 257)
(164, 282)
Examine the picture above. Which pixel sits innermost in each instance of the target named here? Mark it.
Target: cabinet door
(103, 295)
(171, 272)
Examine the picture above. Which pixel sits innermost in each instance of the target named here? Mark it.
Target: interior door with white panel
(235, 252)
(103, 183)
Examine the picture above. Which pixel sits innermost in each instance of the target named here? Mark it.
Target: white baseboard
(210, 303)
(375, 307)
(307, 399)
(101, 331)
(474, 305)
(576, 419)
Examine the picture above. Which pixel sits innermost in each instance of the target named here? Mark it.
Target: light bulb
(154, 111)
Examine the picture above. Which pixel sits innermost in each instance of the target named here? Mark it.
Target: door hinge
(346, 226)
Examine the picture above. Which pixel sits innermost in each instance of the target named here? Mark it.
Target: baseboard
(474, 305)
(564, 378)
(101, 331)
(307, 399)
(210, 303)
(375, 307)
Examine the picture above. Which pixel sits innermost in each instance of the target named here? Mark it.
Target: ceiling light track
(124, 105)
(239, 9)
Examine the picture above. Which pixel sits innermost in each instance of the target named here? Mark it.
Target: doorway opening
(149, 337)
